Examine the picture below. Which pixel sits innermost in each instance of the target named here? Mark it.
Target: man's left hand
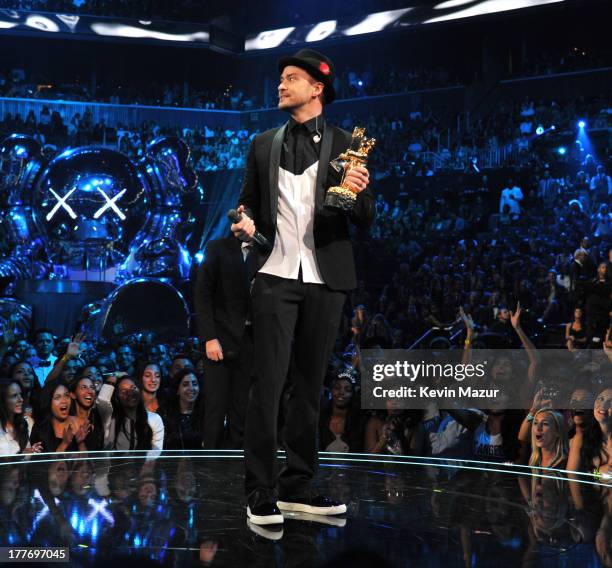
(357, 179)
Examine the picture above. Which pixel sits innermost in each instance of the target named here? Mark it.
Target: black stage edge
(187, 509)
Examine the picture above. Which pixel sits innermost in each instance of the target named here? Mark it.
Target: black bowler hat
(317, 65)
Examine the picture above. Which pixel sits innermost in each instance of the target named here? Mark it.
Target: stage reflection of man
(301, 286)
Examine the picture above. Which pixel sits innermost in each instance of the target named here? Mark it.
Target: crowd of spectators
(519, 123)
(421, 143)
(352, 83)
(453, 269)
(562, 60)
(211, 148)
(70, 394)
(483, 258)
(15, 83)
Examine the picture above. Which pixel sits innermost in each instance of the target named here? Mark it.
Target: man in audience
(510, 200)
(45, 360)
(224, 325)
(601, 186)
(125, 359)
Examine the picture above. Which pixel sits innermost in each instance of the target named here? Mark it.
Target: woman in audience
(340, 422)
(549, 447)
(92, 372)
(56, 429)
(127, 423)
(85, 413)
(399, 432)
(581, 410)
(23, 373)
(182, 412)
(6, 362)
(149, 378)
(14, 426)
(575, 332)
(592, 448)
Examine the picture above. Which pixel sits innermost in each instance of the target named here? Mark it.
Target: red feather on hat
(324, 68)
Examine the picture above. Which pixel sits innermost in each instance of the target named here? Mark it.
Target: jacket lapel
(275, 157)
(324, 159)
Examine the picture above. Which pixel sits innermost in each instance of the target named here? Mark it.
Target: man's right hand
(213, 350)
(245, 229)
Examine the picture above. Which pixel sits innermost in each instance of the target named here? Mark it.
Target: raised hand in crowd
(73, 350)
(74, 347)
(468, 322)
(515, 317)
(541, 400)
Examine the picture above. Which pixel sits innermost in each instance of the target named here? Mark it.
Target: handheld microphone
(317, 137)
(235, 217)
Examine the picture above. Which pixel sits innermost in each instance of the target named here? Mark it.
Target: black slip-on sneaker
(264, 514)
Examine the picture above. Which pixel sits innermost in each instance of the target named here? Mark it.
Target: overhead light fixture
(490, 7)
(322, 31)
(268, 39)
(376, 22)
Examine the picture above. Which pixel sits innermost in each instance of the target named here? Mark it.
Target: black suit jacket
(259, 196)
(222, 294)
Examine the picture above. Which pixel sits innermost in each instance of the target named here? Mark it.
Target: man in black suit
(222, 304)
(300, 288)
(578, 274)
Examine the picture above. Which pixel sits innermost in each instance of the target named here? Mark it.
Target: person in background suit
(301, 285)
(547, 189)
(222, 305)
(577, 275)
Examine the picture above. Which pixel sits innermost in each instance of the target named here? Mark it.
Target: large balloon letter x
(61, 202)
(111, 203)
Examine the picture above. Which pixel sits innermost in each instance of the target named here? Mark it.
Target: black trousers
(226, 393)
(288, 316)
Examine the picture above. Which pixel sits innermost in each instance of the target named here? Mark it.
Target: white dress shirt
(42, 372)
(294, 241)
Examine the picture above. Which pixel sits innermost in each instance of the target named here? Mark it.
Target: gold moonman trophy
(341, 197)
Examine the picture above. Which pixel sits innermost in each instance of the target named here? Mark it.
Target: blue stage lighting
(553, 127)
(540, 130)
(562, 150)
(199, 257)
(581, 124)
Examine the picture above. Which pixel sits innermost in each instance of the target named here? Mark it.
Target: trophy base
(340, 198)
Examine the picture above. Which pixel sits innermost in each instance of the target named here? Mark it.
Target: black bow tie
(44, 363)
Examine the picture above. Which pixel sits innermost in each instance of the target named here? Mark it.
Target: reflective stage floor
(188, 510)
